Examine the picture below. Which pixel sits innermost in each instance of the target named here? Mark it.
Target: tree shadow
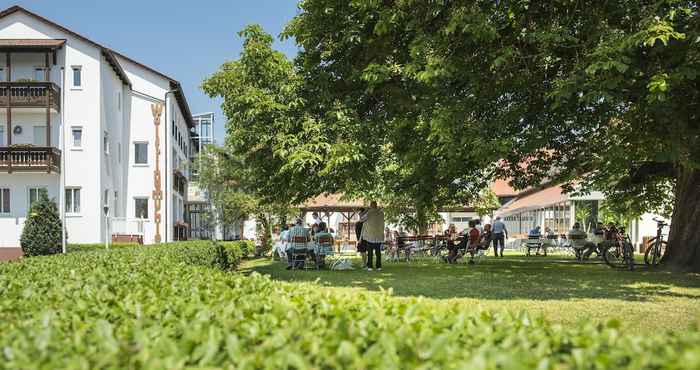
(500, 279)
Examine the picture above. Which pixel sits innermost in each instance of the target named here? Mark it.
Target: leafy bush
(152, 308)
(246, 246)
(41, 234)
(98, 246)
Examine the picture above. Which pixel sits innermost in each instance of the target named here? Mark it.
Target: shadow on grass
(533, 278)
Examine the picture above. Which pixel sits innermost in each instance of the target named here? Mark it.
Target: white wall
(19, 184)
(95, 107)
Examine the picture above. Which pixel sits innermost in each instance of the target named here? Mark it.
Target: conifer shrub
(41, 234)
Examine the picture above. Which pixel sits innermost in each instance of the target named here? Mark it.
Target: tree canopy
(427, 101)
(597, 95)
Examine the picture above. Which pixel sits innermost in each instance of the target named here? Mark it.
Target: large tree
(597, 95)
(297, 137)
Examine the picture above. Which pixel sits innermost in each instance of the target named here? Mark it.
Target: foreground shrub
(98, 246)
(246, 247)
(41, 234)
(152, 308)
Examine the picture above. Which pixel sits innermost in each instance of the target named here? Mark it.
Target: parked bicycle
(657, 246)
(619, 251)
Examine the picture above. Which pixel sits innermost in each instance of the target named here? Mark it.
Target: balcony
(30, 159)
(30, 95)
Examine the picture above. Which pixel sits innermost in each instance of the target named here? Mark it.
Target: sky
(185, 39)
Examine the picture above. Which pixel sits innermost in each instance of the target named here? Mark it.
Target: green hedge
(164, 307)
(94, 247)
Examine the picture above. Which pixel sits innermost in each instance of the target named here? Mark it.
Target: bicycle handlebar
(660, 222)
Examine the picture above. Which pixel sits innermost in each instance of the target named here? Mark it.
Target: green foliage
(148, 308)
(96, 246)
(41, 234)
(487, 203)
(594, 94)
(246, 247)
(297, 130)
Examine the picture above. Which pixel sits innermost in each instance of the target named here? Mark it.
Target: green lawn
(562, 290)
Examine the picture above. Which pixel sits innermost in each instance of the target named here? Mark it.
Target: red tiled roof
(536, 200)
(502, 188)
(332, 203)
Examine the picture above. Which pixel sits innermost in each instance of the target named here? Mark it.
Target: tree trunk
(683, 252)
(421, 220)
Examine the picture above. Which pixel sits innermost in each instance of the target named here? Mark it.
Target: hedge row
(165, 307)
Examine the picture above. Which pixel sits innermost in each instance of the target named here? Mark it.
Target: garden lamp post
(106, 211)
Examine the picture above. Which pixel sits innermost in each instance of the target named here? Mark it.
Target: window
(106, 198)
(2, 74)
(4, 200)
(77, 133)
(140, 153)
(119, 152)
(77, 77)
(39, 135)
(34, 195)
(119, 100)
(105, 142)
(73, 200)
(39, 74)
(206, 129)
(2, 135)
(461, 219)
(141, 208)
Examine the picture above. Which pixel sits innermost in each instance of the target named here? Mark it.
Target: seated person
(297, 240)
(451, 234)
(323, 243)
(483, 244)
(534, 236)
(280, 247)
(579, 242)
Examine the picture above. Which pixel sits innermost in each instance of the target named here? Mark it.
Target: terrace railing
(30, 95)
(30, 159)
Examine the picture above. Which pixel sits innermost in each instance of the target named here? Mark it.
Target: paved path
(9, 254)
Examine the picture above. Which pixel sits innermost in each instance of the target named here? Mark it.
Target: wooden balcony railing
(30, 159)
(30, 95)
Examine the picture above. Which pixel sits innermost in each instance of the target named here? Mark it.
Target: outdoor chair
(578, 244)
(472, 253)
(534, 242)
(301, 254)
(324, 248)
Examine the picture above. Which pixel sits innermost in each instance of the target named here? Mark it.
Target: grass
(555, 287)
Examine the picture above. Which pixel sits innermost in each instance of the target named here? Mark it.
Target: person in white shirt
(373, 235)
(281, 245)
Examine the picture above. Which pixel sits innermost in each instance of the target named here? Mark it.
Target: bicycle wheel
(653, 255)
(614, 257)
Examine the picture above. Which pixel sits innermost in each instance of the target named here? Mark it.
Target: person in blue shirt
(500, 234)
(535, 232)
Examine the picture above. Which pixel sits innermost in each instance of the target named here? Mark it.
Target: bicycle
(619, 254)
(655, 251)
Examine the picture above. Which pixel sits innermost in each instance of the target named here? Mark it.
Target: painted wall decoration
(157, 110)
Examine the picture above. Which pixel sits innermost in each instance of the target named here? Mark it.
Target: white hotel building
(79, 120)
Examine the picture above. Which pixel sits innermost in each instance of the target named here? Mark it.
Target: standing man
(373, 235)
(500, 234)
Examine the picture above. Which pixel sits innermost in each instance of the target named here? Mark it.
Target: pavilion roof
(539, 199)
(332, 203)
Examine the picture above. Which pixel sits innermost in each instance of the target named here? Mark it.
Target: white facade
(100, 126)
